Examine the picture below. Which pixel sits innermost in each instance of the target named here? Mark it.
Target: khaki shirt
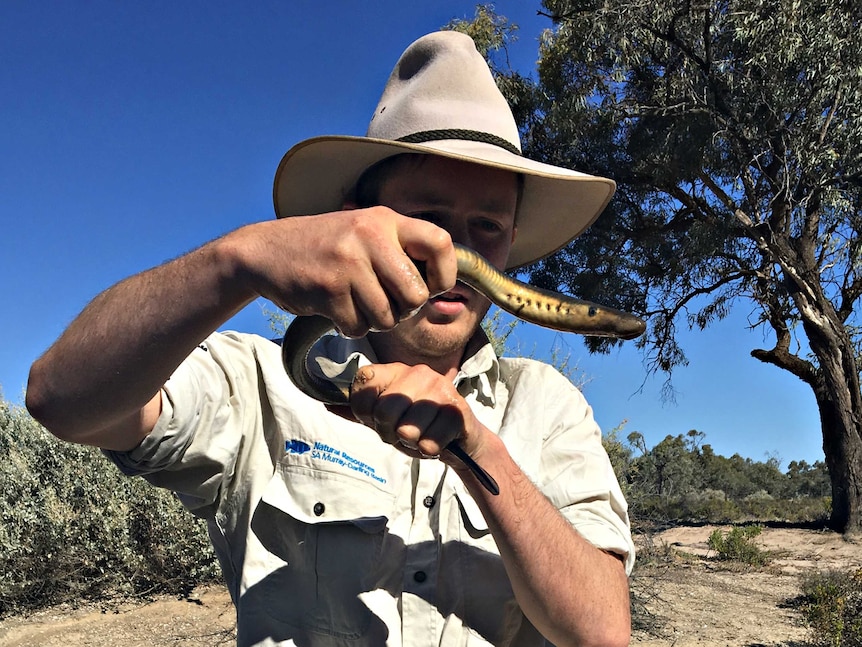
(327, 536)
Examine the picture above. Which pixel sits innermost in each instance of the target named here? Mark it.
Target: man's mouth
(449, 296)
(450, 303)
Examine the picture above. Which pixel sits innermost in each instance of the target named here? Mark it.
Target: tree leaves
(728, 129)
(734, 131)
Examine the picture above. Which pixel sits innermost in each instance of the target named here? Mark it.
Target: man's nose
(459, 233)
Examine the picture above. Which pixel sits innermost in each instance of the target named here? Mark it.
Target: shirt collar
(480, 370)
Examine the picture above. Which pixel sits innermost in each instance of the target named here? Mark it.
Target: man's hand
(354, 267)
(415, 409)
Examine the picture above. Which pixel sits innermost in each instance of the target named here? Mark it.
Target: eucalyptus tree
(734, 131)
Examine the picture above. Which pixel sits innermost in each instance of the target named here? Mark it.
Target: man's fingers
(413, 407)
(431, 245)
(385, 285)
(447, 425)
(366, 392)
(415, 425)
(403, 291)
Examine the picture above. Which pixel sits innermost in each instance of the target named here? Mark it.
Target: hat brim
(318, 174)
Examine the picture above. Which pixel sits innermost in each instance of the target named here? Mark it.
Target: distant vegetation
(683, 479)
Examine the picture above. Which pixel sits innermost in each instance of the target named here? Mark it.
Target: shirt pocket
(325, 534)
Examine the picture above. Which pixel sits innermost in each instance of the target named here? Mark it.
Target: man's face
(476, 205)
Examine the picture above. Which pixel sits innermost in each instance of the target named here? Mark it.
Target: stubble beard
(424, 342)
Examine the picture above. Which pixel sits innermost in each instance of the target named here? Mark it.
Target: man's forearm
(121, 349)
(574, 593)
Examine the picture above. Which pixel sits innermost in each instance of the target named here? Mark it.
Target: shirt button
(420, 576)
(428, 501)
(319, 509)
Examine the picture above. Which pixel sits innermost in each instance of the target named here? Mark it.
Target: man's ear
(514, 233)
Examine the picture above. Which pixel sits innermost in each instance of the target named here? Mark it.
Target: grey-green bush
(73, 527)
(832, 606)
(737, 544)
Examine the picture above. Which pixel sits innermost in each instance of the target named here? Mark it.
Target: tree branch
(781, 357)
(684, 300)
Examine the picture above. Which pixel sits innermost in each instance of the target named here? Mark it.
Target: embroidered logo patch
(296, 447)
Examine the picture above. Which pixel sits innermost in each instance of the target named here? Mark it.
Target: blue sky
(134, 132)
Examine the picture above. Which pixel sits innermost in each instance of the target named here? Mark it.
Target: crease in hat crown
(441, 87)
(441, 99)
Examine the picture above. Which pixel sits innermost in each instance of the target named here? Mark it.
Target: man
(325, 534)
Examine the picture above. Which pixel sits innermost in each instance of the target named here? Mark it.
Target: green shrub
(72, 526)
(738, 545)
(832, 607)
(796, 510)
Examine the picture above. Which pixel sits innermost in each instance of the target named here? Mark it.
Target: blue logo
(296, 447)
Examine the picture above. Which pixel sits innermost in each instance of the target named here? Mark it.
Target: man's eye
(489, 226)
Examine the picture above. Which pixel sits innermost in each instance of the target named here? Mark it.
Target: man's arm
(572, 592)
(99, 383)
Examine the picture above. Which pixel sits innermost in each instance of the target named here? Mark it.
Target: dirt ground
(692, 600)
(700, 601)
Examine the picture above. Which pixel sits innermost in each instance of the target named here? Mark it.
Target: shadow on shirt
(338, 583)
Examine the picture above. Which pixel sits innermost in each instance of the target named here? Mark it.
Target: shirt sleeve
(208, 406)
(580, 479)
(571, 466)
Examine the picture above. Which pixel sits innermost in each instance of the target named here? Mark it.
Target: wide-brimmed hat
(441, 99)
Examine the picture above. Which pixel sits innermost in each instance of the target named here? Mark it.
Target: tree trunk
(839, 400)
(837, 392)
(836, 386)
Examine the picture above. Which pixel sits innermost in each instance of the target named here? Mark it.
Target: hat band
(459, 133)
